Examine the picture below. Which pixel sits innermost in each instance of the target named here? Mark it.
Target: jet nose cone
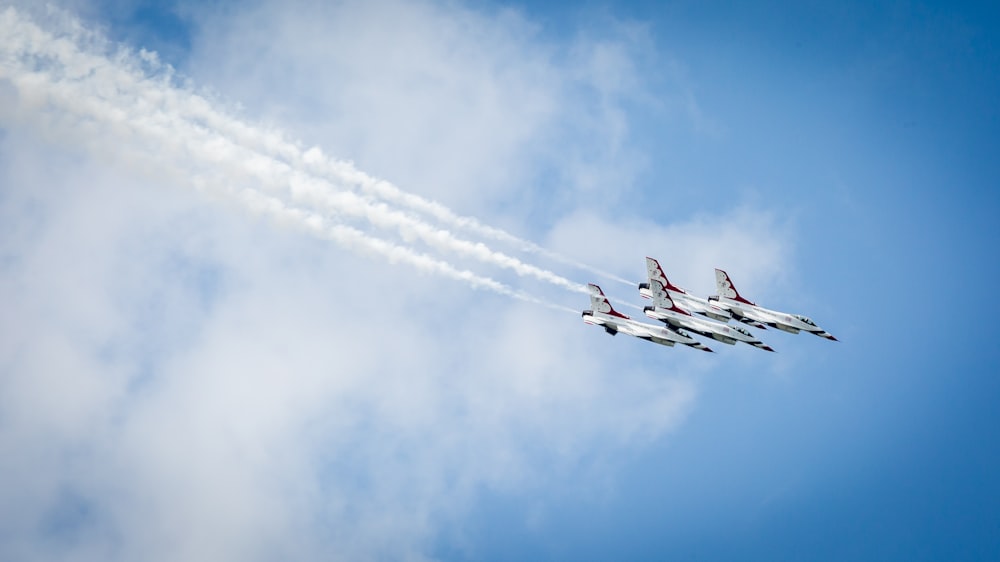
(830, 337)
(767, 348)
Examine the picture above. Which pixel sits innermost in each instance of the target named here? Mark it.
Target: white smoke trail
(183, 103)
(345, 171)
(309, 190)
(361, 242)
(621, 302)
(131, 92)
(67, 101)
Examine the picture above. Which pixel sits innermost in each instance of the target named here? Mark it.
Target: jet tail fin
(661, 298)
(655, 273)
(724, 285)
(600, 303)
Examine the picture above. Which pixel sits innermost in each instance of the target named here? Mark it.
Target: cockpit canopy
(804, 319)
(742, 331)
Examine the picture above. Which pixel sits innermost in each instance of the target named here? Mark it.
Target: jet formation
(676, 309)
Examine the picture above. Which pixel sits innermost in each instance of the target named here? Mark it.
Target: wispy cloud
(114, 101)
(179, 382)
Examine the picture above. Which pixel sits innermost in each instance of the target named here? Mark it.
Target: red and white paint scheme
(604, 315)
(730, 299)
(665, 309)
(684, 299)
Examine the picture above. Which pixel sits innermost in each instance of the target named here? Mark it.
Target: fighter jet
(666, 310)
(684, 299)
(730, 299)
(604, 315)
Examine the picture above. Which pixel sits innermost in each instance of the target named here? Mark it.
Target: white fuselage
(708, 328)
(650, 332)
(791, 323)
(692, 303)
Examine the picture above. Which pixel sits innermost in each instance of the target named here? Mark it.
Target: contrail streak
(362, 242)
(138, 97)
(344, 171)
(182, 103)
(79, 112)
(164, 159)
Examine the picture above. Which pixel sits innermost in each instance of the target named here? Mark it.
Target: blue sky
(872, 128)
(838, 161)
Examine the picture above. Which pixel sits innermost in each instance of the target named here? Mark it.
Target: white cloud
(178, 381)
(476, 108)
